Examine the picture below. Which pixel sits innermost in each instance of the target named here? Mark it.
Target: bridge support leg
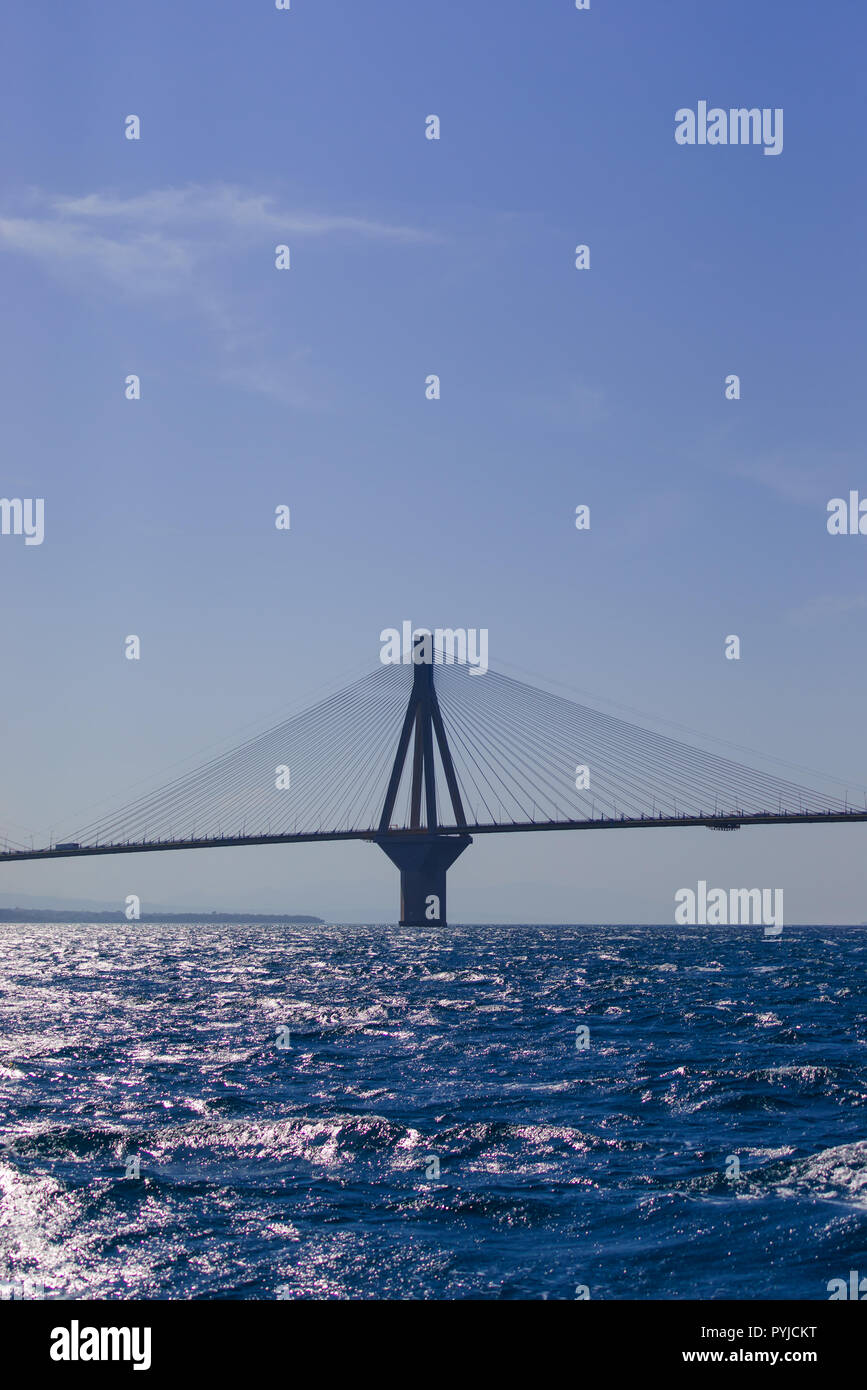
(423, 861)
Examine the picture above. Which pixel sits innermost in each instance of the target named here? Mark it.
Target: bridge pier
(423, 861)
(423, 855)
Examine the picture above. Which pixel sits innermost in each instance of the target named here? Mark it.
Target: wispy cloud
(153, 242)
(578, 404)
(227, 208)
(178, 247)
(146, 262)
(796, 482)
(290, 380)
(827, 608)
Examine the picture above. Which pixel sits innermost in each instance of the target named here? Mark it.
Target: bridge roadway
(442, 832)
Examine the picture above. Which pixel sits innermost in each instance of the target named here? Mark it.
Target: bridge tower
(424, 852)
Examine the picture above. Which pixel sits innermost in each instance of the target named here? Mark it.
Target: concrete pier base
(423, 861)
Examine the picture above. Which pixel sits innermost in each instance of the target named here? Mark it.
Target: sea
(472, 1112)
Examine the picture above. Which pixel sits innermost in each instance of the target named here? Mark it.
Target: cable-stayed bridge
(421, 756)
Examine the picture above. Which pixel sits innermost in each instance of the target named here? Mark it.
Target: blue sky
(306, 387)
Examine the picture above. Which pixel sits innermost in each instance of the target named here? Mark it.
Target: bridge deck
(718, 822)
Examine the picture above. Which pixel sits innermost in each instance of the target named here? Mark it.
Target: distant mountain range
(25, 908)
(44, 914)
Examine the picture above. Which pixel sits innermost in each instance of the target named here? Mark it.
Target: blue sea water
(309, 1171)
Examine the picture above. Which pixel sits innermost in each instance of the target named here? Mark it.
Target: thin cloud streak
(153, 242)
(174, 247)
(826, 608)
(231, 208)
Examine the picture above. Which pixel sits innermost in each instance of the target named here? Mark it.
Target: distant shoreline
(36, 914)
(117, 918)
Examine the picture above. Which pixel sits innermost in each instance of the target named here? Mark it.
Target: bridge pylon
(424, 852)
